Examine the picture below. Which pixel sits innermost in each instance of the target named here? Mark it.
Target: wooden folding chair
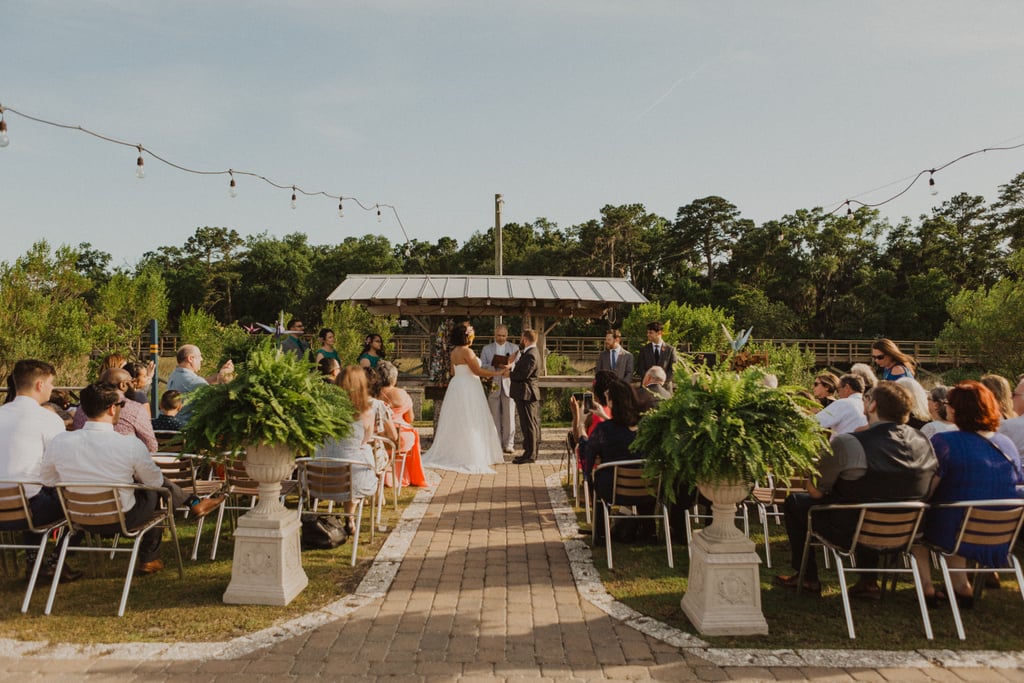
(993, 523)
(16, 516)
(630, 489)
(768, 500)
(330, 480)
(242, 495)
(890, 529)
(88, 505)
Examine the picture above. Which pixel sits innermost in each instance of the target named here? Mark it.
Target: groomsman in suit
(525, 391)
(616, 358)
(495, 356)
(657, 353)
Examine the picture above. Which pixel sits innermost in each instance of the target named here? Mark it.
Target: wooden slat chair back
(168, 440)
(330, 480)
(629, 489)
(889, 528)
(16, 516)
(995, 523)
(88, 505)
(768, 500)
(242, 492)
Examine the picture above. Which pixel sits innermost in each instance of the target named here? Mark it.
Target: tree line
(953, 274)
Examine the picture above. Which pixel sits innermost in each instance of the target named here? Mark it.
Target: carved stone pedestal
(267, 564)
(723, 597)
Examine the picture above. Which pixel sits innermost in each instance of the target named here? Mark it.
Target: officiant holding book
(495, 356)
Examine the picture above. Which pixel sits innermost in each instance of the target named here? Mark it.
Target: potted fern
(722, 431)
(274, 410)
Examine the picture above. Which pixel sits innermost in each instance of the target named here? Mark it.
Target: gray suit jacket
(623, 364)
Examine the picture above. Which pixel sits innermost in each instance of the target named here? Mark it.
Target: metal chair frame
(15, 509)
(330, 480)
(629, 484)
(889, 528)
(994, 522)
(91, 504)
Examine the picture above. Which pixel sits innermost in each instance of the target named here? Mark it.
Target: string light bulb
(4, 140)
(232, 187)
(379, 219)
(849, 211)
(341, 209)
(931, 183)
(140, 165)
(295, 203)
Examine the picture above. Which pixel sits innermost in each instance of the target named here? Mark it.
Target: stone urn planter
(724, 592)
(722, 431)
(267, 564)
(275, 409)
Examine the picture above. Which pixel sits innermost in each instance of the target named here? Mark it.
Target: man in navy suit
(525, 391)
(615, 358)
(657, 353)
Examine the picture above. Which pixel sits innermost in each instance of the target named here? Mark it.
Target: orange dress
(410, 441)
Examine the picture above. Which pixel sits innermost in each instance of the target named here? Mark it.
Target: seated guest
(1000, 388)
(940, 422)
(610, 441)
(654, 383)
(866, 374)
(26, 428)
(140, 382)
(888, 461)
(170, 406)
(97, 453)
(356, 446)
(919, 413)
(329, 368)
(133, 419)
(975, 463)
(1014, 427)
(825, 387)
(846, 413)
(400, 403)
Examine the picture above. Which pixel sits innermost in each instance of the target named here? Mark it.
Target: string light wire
(232, 172)
(931, 179)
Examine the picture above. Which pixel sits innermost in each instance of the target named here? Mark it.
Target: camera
(586, 398)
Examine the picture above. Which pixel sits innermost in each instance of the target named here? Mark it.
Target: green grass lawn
(642, 580)
(163, 608)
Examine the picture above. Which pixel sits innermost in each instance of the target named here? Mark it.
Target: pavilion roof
(487, 294)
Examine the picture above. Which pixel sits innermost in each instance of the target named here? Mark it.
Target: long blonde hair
(353, 380)
(1000, 388)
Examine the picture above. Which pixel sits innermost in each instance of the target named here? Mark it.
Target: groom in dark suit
(525, 391)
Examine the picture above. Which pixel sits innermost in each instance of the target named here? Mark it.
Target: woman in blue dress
(893, 362)
(975, 463)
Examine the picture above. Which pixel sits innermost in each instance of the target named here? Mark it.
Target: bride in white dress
(465, 439)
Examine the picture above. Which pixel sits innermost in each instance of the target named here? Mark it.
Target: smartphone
(586, 398)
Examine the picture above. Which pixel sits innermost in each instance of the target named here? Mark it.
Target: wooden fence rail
(827, 352)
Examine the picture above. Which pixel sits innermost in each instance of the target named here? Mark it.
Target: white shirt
(97, 453)
(25, 429)
(1014, 429)
(843, 415)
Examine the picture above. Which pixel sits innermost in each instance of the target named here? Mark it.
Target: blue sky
(435, 106)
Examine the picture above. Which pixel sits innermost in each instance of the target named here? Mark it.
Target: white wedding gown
(466, 439)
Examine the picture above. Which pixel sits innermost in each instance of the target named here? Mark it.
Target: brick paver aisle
(485, 591)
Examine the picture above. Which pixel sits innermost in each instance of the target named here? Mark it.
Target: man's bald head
(116, 376)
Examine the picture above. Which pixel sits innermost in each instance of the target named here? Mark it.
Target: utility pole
(498, 258)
